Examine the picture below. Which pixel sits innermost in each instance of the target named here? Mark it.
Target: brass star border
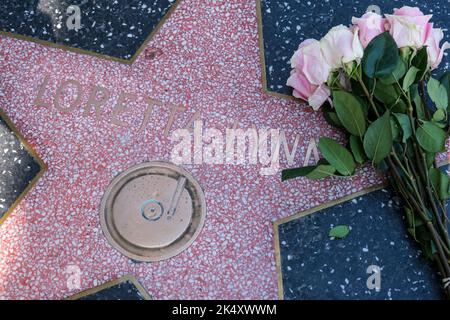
(96, 54)
(278, 223)
(110, 284)
(36, 158)
(262, 56)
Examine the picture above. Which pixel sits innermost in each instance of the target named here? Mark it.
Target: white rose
(341, 45)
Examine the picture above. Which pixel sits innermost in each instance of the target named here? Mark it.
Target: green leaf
(416, 225)
(387, 94)
(333, 119)
(406, 54)
(339, 157)
(438, 93)
(420, 61)
(409, 216)
(405, 125)
(330, 116)
(333, 80)
(430, 159)
(428, 249)
(441, 182)
(431, 137)
(410, 219)
(381, 56)
(433, 248)
(378, 140)
(399, 72)
(321, 172)
(395, 129)
(439, 115)
(339, 232)
(357, 149)
(414, 90)
(313, 173)
(412, 232)
(445, 81)
(350, 111)
(410, 78)
(399, 107)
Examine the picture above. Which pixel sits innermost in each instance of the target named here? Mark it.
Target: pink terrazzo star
(208, 62)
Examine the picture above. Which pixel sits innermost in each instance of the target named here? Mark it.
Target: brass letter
(120, 108)
(96, 103)
(39, 102)
(59, 93)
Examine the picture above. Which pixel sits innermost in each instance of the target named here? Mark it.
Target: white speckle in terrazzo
(57, 224)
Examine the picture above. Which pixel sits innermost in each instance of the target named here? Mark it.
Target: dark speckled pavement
(115, 29)
(287, 23)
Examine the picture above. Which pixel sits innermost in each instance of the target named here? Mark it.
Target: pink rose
(435, 52)
(409, 27)
(310, 74)
(341, 45)
(315, 95)
(408, 11)
(370, 25)
(308, 59)
(319, 97)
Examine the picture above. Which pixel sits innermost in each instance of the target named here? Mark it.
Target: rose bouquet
(374, 81)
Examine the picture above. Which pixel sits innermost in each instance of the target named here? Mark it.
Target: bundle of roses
(374, 81)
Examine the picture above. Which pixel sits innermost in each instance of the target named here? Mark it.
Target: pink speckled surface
(209, 62)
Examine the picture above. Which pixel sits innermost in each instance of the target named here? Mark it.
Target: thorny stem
(441, 259)
(417, 177)
(423, 169)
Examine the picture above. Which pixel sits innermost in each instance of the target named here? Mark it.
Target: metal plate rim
(118, 178)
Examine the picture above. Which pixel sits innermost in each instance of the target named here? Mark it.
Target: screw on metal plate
(152, 210)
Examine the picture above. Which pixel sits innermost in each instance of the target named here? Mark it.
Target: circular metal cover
(153, 211)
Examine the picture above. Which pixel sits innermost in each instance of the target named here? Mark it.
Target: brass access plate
(153, 211)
